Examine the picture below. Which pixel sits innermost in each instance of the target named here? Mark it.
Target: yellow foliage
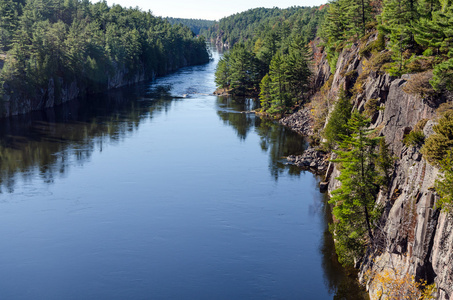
(392, 285)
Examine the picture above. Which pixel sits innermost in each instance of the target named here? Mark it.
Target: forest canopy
(196, 25)
(270, 56)
(63, 41)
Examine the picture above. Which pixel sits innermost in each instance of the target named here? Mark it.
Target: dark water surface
(160, 191)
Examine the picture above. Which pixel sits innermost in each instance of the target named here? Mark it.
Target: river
(161, 191)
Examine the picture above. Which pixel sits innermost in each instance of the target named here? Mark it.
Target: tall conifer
(354, 200)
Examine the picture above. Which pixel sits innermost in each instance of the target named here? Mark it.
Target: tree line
(76, 40)
(196, 25)
(417, 33)
(270, 56)
(243, 27)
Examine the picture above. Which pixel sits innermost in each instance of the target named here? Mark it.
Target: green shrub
(414, 138)
(444, 185)
(443, 76)
(371, 107)
(444, 108)
(375, 46)
(437, 145)
(379, 60)
(417, 64)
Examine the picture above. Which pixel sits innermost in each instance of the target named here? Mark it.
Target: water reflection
(340, 281)
(277, 140)
(47, 143)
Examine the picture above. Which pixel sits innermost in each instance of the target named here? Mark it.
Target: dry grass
(419, 85)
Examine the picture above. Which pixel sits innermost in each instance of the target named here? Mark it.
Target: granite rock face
(412, 237)
(59, 91)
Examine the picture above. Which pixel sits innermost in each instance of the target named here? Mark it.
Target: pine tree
(443, 76)
(222, 73)
(265, 93)
(278, 87)
(354, 201)
(437, 145)
(9, 11)
(333, 31)
(436, 31)
(384, 161)
(398, 19)
(297, 70)
(338, 120)
(243, 70)
(358, 15)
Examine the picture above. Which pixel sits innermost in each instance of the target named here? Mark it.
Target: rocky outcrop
(412, 237)
(122, 77)
(311, 159)
(220, 44)
(301, 122)
(55, 94)
(59, 91)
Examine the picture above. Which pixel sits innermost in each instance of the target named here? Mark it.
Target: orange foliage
(391, 285)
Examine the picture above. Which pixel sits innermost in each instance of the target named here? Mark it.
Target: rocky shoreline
(312, 159)
(301, 122)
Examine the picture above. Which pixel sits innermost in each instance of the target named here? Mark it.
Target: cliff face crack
(389, 120)
(426, 272)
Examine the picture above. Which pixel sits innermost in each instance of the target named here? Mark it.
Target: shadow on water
(47, 144)
(281, 142)
(340, 281)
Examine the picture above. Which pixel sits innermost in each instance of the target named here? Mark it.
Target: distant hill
(246, 27)
(195, 24)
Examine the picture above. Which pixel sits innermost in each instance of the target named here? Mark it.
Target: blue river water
(161, 191)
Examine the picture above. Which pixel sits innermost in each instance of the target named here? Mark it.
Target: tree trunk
(367, 219)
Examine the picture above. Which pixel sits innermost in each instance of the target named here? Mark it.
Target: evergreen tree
(398, 19)
(265, 93)
(384, 161)
(244, 76)
(337, 125)
(333, 31)
(443, 76)
(9, 17)
(278, 86)
(437, 145)
(358, 15)
(354, 201)
(436, 32)
(223, 73)
(297, 70)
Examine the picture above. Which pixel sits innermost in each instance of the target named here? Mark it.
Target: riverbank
(40, 70)
(313, 159)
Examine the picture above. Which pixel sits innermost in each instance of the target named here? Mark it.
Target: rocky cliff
(59, 91)
(412, 237)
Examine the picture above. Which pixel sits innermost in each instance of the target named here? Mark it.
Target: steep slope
(413, 237)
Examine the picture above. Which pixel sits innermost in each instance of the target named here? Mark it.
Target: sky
(208, 10)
